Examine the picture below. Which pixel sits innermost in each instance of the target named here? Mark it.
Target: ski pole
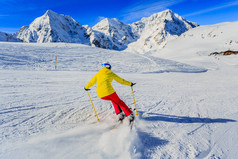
(93, 107)
(55, 62)
(134, 101)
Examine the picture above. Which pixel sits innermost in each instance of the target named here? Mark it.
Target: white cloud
(100, 18)
(230, 4)
(9, 30)
(2, 15)
(146, 8)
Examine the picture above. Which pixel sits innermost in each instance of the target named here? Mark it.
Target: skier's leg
(114, 97)
(115, 105)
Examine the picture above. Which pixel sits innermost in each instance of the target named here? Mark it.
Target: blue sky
(17, 13)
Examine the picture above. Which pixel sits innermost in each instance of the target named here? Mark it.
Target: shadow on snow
(149, 143)
(184, 119)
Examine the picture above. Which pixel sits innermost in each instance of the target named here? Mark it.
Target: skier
(105, 90)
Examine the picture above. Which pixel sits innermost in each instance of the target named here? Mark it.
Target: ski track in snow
(47, 114)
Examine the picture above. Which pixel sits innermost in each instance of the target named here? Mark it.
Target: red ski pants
(118, 104)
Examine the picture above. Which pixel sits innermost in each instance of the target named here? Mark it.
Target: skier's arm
(91, 82)
(121, 80)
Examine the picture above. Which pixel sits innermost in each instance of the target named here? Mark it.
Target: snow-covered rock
(8, 37)
(98, 39)
(119, 33)
(3, 36)
(54, 27)
(155, 31)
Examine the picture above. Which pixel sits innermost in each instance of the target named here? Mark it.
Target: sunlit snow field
(185, 111)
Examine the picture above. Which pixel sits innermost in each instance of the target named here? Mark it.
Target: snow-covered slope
(195, 45)
(76, 57)
(54, 27)
(119, 33)
(184, 111)
(155, 31)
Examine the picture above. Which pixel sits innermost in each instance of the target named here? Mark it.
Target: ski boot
(131, 118)
(121, 116)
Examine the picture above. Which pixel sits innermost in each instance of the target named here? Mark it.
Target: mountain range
(149, 32)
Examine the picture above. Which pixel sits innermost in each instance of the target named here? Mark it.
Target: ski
(131, 124)
(120, 122)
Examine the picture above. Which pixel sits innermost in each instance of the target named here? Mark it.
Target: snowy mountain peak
(113, 21)
(164, 14)
(167, 12)
(156, 30)
(119, 33)
(54, 27)
(109, 33)
(106, 23)
(170, 15)
(50, 13)
(109, 20)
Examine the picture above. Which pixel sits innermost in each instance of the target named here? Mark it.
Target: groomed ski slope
(184, 111)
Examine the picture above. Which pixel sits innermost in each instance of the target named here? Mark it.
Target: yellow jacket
(104, 79)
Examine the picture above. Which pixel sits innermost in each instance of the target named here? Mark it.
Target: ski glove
(132, 84)
(86, 89)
